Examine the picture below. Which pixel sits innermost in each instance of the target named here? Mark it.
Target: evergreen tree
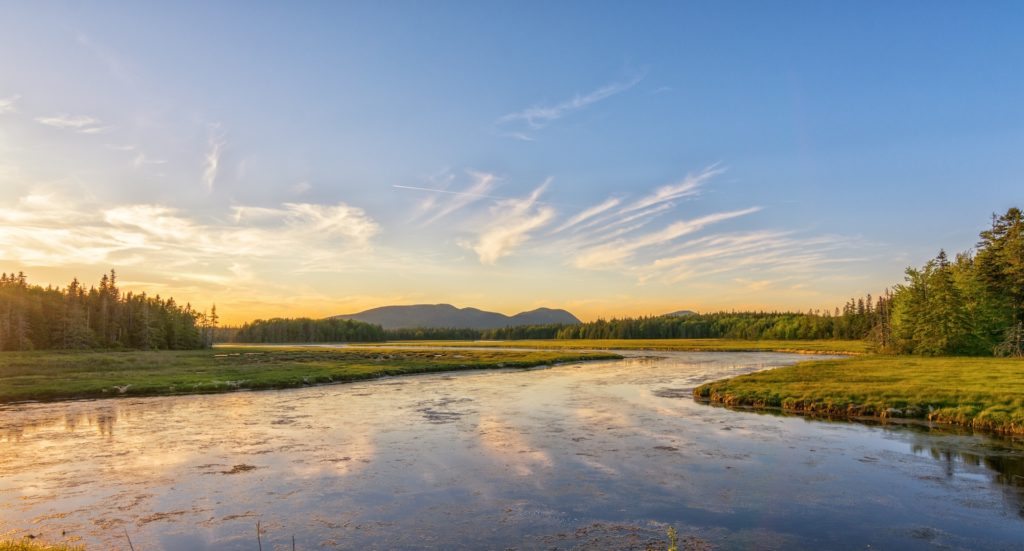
(32, 317)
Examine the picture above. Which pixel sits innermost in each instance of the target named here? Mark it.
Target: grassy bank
(692, 345)
(61, 375)
(982, 393)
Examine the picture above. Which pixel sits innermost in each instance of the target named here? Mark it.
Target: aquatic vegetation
(978, 392)
(673, 539)
(28, 544)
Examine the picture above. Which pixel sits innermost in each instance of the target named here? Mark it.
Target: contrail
(449, 192)
(478, 195)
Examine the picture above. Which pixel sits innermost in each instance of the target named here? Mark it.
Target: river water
(602, 455)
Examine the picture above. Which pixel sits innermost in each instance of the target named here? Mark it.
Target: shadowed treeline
(37, 318)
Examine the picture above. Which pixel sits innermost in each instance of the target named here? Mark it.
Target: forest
(303, 330)
(38, 318)
(854, 321)
(970, 305)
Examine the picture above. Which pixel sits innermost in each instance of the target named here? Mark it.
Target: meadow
(60, 375)
(978, 392)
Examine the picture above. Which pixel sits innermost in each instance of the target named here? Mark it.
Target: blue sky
(266, 156)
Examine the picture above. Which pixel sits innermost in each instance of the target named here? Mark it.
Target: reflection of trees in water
(105, 421)
(1004, 462)
(13, 434)
(1008, 469)
(102, 419)
(98, 415)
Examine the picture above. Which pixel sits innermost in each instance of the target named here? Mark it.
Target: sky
(310, 159)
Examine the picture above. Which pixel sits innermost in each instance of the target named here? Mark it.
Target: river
(600, 455)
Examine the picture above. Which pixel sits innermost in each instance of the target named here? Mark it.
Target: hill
(448, 316)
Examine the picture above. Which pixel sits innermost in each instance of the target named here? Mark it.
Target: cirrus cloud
(512, 220)
(83, 124)
(7, 105)
(43, 230)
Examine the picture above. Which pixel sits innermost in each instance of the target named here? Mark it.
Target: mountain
(544, 316)
(448, 316)
(679, 314)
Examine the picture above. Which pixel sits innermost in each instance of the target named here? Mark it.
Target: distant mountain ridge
(429, 316)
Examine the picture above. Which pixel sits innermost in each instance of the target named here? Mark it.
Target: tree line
(971, 305)
(303, 330)
(854, 321)
(37, 318)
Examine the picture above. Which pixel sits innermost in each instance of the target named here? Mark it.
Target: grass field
(983, 393)
(695, 345)
(58, 375)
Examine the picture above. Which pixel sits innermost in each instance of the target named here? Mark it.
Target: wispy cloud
(622, 218)
(689, 186)
(120, 147)
(589, 213)
(141, 160)
(211, 161)
(619, 234)
(539, 116)
(84, 124)
(721, 245)
(614, 252)
(775, 256)
(521, 136)
(7, 105)
(436, 208)
(44, 230)
(603, 218)
(512, 220)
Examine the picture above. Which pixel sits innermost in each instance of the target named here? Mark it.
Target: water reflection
(602, 454)
(952, 447)
(1004, 464)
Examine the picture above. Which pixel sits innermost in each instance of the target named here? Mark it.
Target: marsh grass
(61, 375)
(683, 345)
(673, 539)
(982, 393)
(27, 544)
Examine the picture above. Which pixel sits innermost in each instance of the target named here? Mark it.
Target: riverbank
(62, 375)
(845, 347)
(980, 393)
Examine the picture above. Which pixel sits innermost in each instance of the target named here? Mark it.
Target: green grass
(982, 393)
(33, 545)
(695, 345)
(58, 375)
